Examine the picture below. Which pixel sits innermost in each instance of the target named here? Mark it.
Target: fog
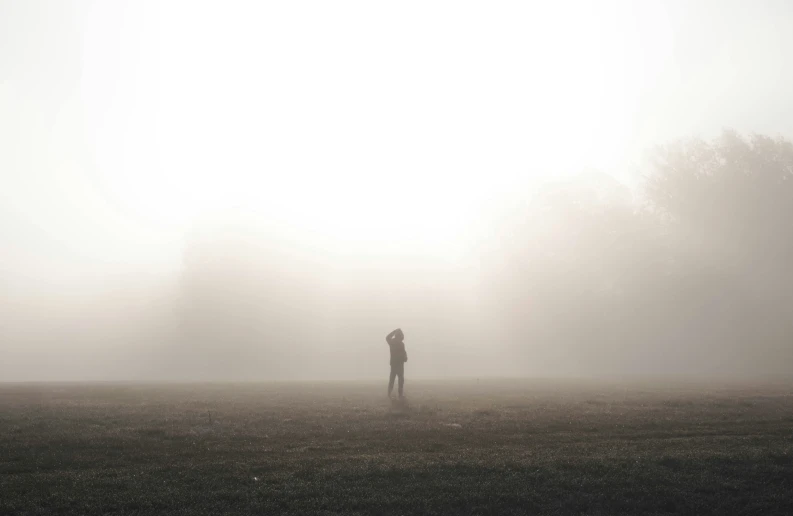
(238, 191)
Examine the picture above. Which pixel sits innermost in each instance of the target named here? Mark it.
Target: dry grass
(507, 447)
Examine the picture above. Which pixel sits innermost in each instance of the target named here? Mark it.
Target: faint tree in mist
(697, 279)
(729, 211)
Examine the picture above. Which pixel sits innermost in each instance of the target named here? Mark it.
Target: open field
(468, 447)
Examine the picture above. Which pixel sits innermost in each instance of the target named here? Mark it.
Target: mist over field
(250, 192)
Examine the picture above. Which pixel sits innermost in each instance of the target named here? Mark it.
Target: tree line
(689, 274)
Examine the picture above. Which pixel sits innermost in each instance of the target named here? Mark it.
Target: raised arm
(391, 336)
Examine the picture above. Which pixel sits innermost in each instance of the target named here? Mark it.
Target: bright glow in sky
(362, 122)
(359, 120)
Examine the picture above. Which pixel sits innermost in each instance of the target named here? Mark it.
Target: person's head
(399, 335)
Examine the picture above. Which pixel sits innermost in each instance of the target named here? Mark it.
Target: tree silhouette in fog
(697, 278)
(732, 196)
(728, 207)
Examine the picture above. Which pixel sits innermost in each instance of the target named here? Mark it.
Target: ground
(464, 447)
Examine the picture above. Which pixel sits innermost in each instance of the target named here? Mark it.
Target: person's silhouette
(396, 343)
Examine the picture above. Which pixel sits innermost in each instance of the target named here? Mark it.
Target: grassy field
(468, 447)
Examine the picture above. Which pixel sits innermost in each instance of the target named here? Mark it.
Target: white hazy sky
(354, 122)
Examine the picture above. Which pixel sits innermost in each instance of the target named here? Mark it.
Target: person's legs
(401, 374)
(391, 380)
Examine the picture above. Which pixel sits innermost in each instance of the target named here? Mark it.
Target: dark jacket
(398, 353)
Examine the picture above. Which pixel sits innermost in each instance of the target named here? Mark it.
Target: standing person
(396, 343)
